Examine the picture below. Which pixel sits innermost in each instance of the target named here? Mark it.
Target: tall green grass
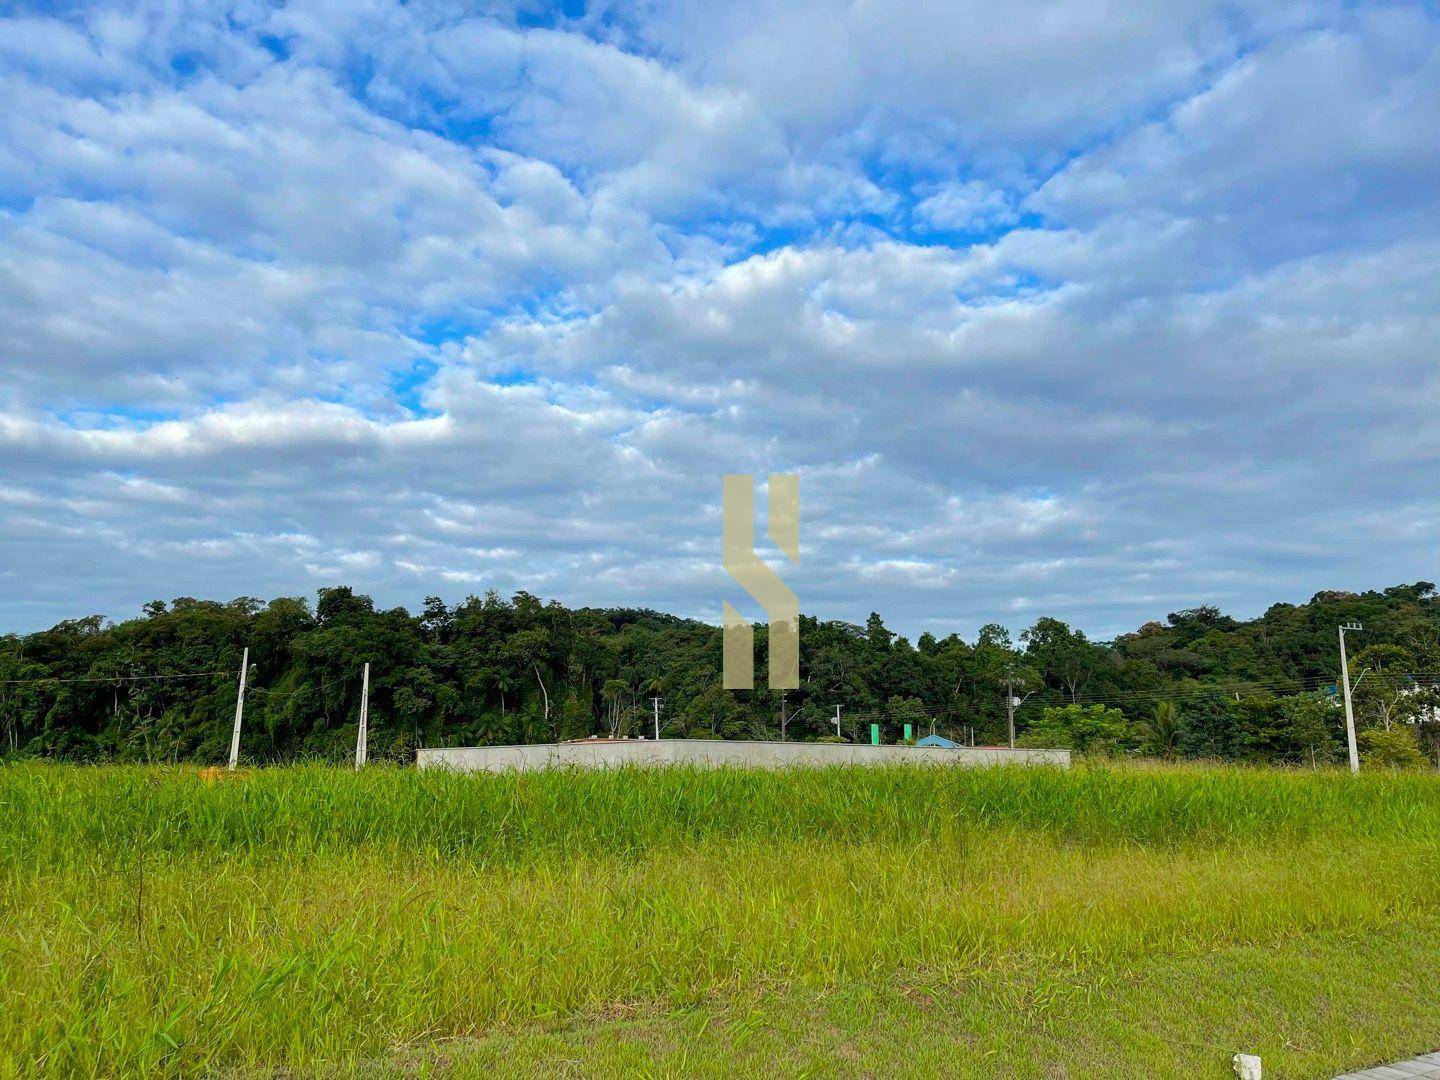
(151, 924)
(53, 816)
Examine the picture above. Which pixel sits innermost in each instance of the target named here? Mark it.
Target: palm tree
(504, 680)
(1164, 729)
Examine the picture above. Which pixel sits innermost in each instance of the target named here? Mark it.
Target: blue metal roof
(937, 740)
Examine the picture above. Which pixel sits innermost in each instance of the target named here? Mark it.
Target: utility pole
(656, 702)
(837, 723)
(1010, 704)
(1349, 710)
(362, 739)
(239, 711)
(785, 717)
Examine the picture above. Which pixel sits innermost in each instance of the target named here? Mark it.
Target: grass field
(1006, 922)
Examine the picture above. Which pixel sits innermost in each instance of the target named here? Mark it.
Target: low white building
(712, 753)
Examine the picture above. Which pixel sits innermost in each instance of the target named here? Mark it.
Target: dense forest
(162, 687)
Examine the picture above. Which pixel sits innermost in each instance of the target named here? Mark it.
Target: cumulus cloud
(1077, 310)
(973, 205)
(1318, 141)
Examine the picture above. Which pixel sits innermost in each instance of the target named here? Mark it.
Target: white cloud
(427, 302)
(185, 242)
(1320, 141)
(971, 205)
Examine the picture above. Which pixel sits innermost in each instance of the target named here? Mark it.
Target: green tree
(1212, 727)
(529, 651)
(1163, 729)
(575, 718)
(1384, 694)
(900, 711)
(1067, 659)
(1313, 719)
(717, 714)
(482, 670)
(619, 700)
(1086, 729)
(1391, 748)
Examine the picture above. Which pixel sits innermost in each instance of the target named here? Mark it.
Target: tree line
(492, 670)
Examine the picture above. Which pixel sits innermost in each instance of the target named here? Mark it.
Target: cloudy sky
(1085, 309)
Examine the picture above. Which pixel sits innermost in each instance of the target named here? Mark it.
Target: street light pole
(1010, 706)
(1349, 709)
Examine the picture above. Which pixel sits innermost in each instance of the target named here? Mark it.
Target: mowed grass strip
(297, 918)
(1313, 1006)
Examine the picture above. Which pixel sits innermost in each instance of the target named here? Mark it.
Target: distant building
(938, 740)
(719, 753)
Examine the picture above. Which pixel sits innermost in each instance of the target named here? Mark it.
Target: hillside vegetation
(489, 670)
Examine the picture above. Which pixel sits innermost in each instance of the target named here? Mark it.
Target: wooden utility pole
(239, 710)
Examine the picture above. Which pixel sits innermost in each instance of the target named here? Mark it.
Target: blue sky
(1080, 309)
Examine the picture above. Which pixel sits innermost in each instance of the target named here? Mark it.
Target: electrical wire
(112, 678)
(1302, 684)
(293, 693)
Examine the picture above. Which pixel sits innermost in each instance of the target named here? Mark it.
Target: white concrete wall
(710, 752)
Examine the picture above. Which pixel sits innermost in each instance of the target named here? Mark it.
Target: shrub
(1393, 748)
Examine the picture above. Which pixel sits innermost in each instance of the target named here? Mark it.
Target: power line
(1292, 686)
(1300, 684)
(111, 678)
(293, 693)
(107, 679)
